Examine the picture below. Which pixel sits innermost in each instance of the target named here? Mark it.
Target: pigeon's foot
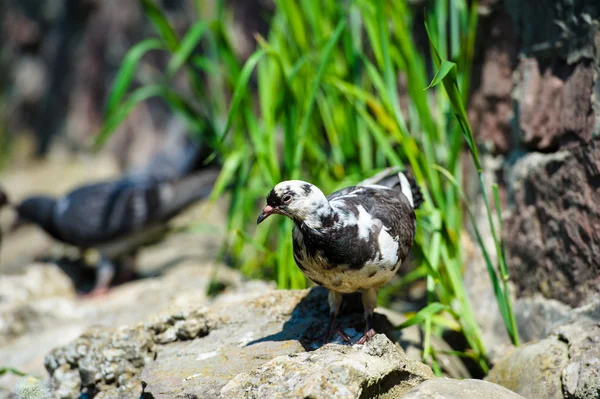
(333, 329)
(367, 336)
(339, 332)
(98, 292)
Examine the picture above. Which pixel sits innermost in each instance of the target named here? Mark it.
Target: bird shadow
(309, 320)
(83, 275)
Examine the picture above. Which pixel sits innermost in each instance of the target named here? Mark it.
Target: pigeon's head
(38, 210)
(295, 199)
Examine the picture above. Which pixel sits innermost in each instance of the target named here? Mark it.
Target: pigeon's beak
(265, 213)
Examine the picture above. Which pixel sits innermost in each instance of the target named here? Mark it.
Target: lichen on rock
(378, 369)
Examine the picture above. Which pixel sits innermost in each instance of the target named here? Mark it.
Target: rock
(241, 337)
(554, 105)
(552, 234)
(491, 106)
(39, 280)
(564, 365)
(31, 388)
(49, 322)
(29, 300)
(271, 324)
(447, 388)
(533, 370)
(109, 361)
(376, 370)
(556, 29)
(581, 376)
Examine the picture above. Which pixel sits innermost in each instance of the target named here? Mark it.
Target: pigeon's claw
(367, 336)
(339, 332)
(98, 292)
(333, 329)
(369, 331)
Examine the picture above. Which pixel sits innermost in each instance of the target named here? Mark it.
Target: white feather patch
(388, 246)
(364, 222)
(406, 190)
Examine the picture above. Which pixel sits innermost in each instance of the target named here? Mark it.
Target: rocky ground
(163, 336)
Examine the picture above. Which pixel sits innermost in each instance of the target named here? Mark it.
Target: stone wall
(537, 105)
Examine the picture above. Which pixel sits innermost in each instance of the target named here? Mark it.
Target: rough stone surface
(22, 307)
(109, 361)
(564, 365)
(533, 370)
(581, 377)
(551, 28)
(490, 107)
(378, 369)
(553, 233)
(48, 322)
(446, 388)
(554, 104)
(288, 324)
(191, 349)
(537, 101)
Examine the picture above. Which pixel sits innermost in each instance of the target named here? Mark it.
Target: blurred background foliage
(335, 91)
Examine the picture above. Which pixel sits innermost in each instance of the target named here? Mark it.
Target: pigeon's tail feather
(179, 194)
(395, 179)
(414, 189)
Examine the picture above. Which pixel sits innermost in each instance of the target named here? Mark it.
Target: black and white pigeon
(114, 217)
(354, 239)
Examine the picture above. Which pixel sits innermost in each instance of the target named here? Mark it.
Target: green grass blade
(230, 166)
(323, 64)
(120, 114)
(189, 42)
(161, 24)
(11, 370)
(428, 311)
(241, 88)
(127, 71)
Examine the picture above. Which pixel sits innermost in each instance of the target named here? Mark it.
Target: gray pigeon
(354, 239)
(114, 217)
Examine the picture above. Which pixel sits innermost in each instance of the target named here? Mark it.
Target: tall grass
(337, 91)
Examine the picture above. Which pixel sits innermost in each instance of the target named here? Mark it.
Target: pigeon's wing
(399, 181)
(368, 212)
(340, 193)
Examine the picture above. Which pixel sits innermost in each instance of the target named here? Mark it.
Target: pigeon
(114, 217)
(353, 240)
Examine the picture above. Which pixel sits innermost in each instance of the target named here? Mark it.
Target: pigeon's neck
(321, 217)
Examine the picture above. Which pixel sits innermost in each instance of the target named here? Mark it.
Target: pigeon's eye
(286, 199)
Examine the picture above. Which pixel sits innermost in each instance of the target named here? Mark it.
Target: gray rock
(110, 362)
(45, 323)
(240, 336)
(378, 369)
(581, 376)
(252, 331)
(39, 280)
(564, 365)
(447, 388)
(533, 370)
(30, 388)
(551, 234)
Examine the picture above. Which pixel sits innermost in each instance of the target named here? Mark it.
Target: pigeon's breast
(371, 261)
